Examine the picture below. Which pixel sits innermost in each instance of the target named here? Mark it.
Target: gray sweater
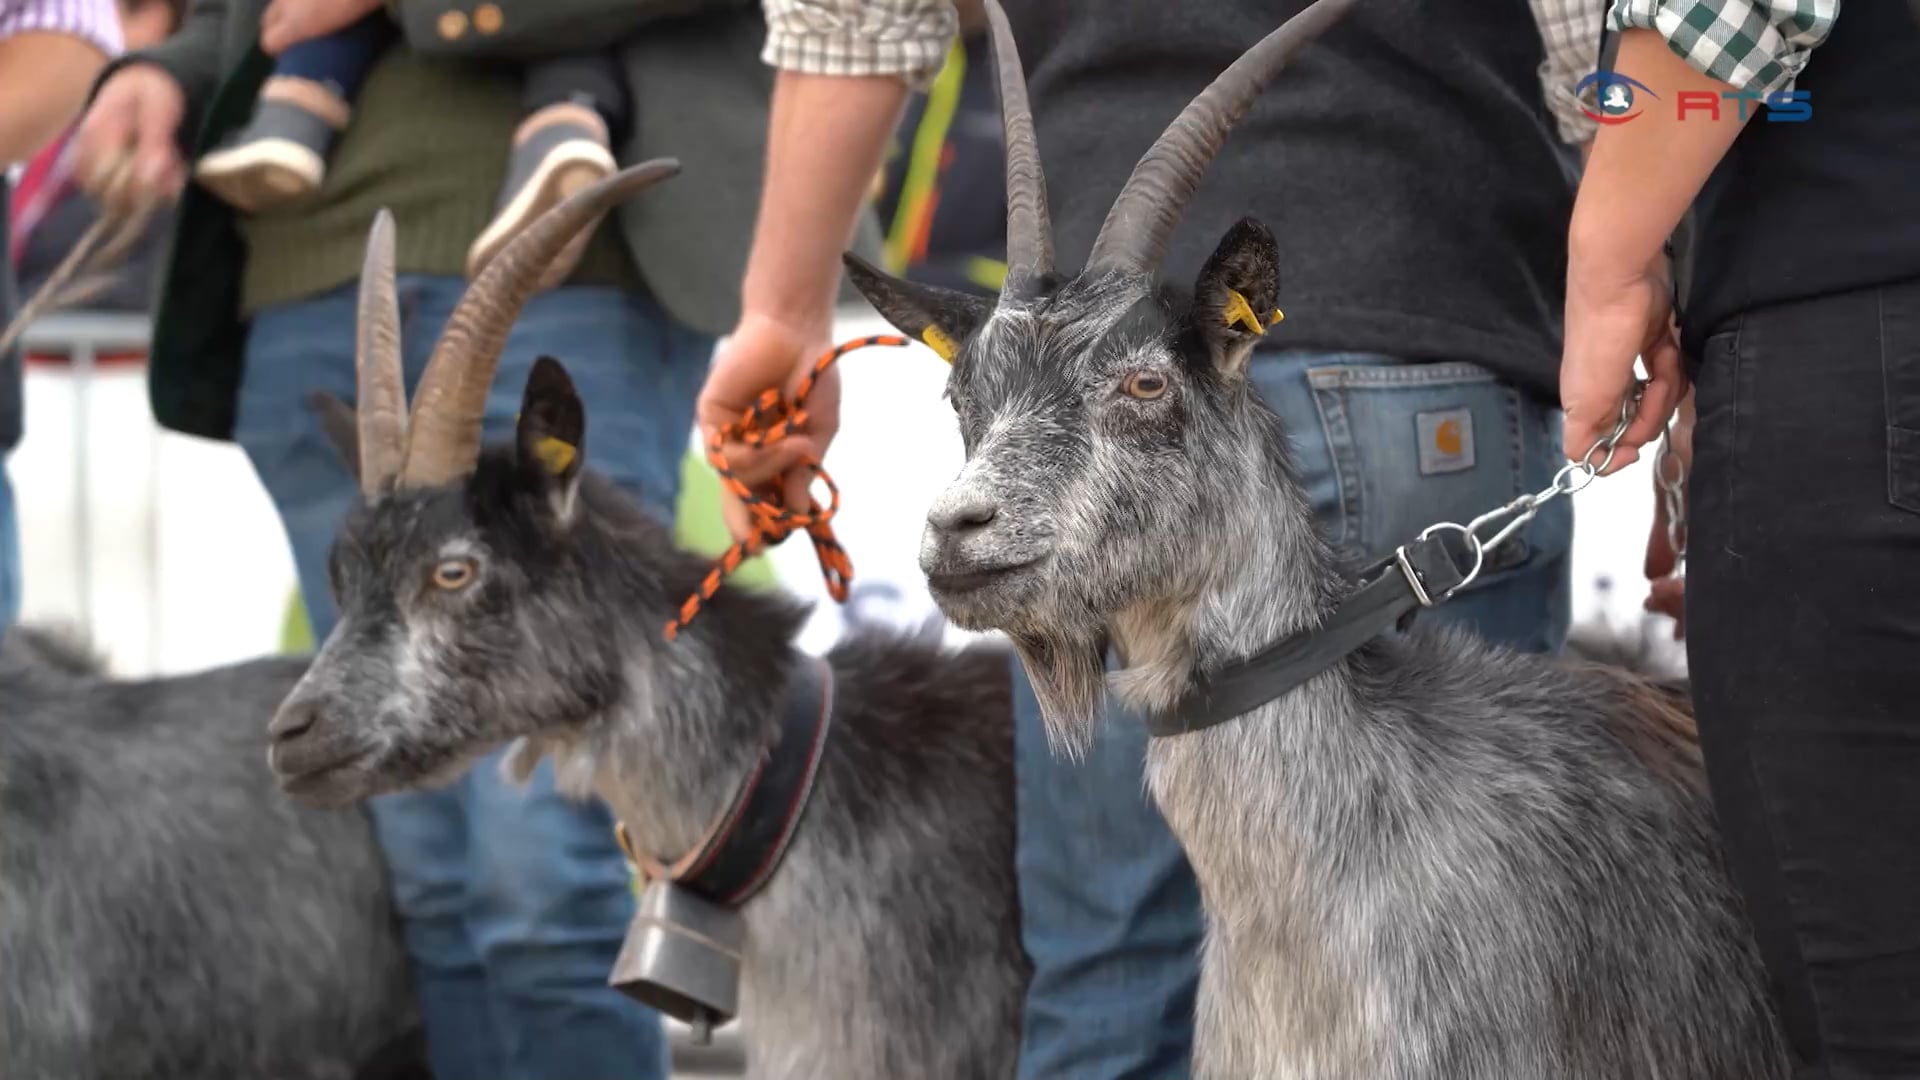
(1406, 162)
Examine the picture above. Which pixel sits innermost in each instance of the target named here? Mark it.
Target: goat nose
(294, 719)
(962, 510)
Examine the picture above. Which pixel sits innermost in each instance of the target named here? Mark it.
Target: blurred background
(165, 549)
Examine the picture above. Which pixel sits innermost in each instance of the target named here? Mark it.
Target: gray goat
(1437, 859)
(508, 594)
(165, 913)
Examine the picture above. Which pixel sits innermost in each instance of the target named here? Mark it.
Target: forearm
(1640, 177)
(43, 84)
(825, 140)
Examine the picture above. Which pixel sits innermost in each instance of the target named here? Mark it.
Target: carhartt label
(1446, 440)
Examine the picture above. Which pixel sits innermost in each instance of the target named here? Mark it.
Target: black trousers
(1803, 639)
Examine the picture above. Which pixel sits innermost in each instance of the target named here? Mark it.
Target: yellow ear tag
(1240, 313)
(940, 343)
(556, 454)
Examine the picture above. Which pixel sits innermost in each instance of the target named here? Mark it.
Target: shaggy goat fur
(887, 943)
(1438, 858)
(165, 913)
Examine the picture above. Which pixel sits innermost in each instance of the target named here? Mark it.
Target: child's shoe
(557, 151)
(281, 154)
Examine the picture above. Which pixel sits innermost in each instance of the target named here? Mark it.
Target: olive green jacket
(688, 237)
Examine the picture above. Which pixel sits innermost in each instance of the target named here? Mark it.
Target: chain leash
(1573, 477)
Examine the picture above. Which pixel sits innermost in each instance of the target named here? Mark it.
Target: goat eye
(1145, 385)
(453, 573)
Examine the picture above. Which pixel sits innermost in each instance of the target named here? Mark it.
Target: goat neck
(1267, 574)
(692, 715)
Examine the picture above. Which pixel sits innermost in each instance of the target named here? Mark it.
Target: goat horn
(1134, 237)
(382, 393)
(443, 441)
(1029, 228)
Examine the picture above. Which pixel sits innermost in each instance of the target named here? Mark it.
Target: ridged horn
(1029, 226)
(381, 387)
(1135, 234)
(443, 442)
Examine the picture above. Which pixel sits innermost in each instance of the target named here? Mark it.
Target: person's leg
(551, 899)
(578, 109)
(281, 154)
(291, 350)
(1803, 625)
(9, 553)
(1110, 912)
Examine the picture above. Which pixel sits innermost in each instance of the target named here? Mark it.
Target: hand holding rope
(769, 419)
(92, 266)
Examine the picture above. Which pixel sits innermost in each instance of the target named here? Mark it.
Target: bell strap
(741, 849)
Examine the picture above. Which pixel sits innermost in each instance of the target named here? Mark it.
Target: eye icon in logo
(1616, 96)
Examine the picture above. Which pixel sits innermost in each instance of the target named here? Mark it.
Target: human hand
(1610, 319)
(135, 117)
(759, 354)
(1667, 594)
(290, 22)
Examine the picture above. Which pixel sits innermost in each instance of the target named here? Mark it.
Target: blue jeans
(1110, 911)
(9, 553)
(514, 902)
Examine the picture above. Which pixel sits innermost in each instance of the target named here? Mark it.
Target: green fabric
(698, 527)
(692, 67)
(452, 124)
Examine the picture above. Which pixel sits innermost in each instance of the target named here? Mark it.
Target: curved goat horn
(1134, 237)
(443, 443)
(1029, 229)
(381, 389)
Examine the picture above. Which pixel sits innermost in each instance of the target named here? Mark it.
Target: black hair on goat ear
(1237, 295)
(941, 318)
(339, 424)
(551, 430)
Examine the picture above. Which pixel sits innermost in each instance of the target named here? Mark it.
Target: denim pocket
(1416, 444)
(1900, 372)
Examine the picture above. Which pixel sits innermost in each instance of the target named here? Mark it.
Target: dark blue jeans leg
(514, 901)
(1109, 909)
(341, 60)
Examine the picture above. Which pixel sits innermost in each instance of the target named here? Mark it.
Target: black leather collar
(1420, 574)
(745, 845)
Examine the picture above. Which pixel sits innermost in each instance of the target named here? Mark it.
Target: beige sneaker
(557, 151)
(281, 154)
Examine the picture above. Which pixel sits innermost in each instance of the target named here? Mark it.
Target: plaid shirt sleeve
(907, 38)
(93, 21)
(1570, 30)
(1753, 45)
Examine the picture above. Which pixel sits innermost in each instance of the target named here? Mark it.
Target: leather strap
(745, 844)
(1420, 574)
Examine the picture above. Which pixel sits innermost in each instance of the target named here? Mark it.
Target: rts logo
(1617, 94)
(1619, 99)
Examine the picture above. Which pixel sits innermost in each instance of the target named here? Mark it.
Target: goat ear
(942, 318)
(551, 430)
(1237, 295)
(338, 424)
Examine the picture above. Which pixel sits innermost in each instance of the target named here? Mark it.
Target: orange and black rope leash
(769, 419)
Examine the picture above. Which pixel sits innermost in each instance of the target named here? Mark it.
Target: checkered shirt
(1754, 45)
(904, 38)
(1570, 30)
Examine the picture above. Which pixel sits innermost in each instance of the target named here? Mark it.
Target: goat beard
(1068, 674)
